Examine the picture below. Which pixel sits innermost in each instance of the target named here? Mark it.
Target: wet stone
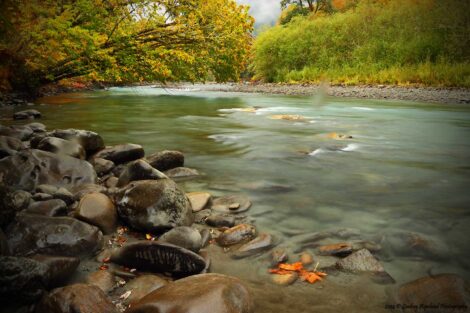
(138, 170)
(158, 257)
(80, 191)
(102, 279)
(181, 172)
(142, 286)
(64, 195)
(338, 249)
(285, 280)
(166, 160)
(19, 132)
(39, 196)
(198, 294)
(360, 261)
(231, 204)
(53, 207)
(90, 141)
(102, 166)
(278, 256)
(27, 114)
(199, 200)
(98, 209)
(61, 146)
(37, 127)
(205, 237)
(183, 236)
(121, 153)
(306, 258)
(12, 202)
(60, 268)
(261, 243)
(220, 221)
(77, 298)
(237, 234)
(9, 146)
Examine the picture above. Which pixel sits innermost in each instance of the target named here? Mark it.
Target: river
(401, 182)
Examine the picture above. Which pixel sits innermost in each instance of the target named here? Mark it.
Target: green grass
(400, 42)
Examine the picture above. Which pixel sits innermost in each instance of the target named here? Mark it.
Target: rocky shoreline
(86, 227)
(382, 92)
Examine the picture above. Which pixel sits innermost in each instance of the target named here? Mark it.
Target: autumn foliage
(309, 276)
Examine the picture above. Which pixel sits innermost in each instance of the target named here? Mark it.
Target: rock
(48, 189)
(12, 202)
(142, 286)
(65, 236)
(205, 237)
(159, 257)
(62, 147)
(199, 200)
(360, 261)
(444, 289)
(198, 294)
(220, 221)
(22, 279)
(166, 160)
(80, 191)
(29, 168)
(102, 166)
(97, 209)
(288, 117)
(261, 243)
(90, 141)
(231, 204)
(54, 207)
(337, 136)
(154, 205)
(37, 127)
(237, 234)
(121, 153)
(337, 249)
(285, 280)
(306, 258)
(39, 196)
(9, 146)
(183, 236)
(413, 244)
(78, 298)
(64, 195)
(278, 256)
(36, 138)
(104, 280)
(19, 132)
(138, 170)
(60, 268)
(111, 182)
(180, 172)
(26, 114)
(4, 250)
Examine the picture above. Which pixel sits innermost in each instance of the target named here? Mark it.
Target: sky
(264, 11)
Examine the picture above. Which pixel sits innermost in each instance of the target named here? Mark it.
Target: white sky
(264, 11)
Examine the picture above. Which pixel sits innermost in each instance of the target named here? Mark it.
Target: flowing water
(401, 182)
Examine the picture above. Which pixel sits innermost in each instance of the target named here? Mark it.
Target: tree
(44, 41)
(313, 5)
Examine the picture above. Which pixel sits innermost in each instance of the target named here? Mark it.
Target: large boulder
(138, 170)
(29, 168)
(64, 236)
(159, 257)
(121, 153)
(154, 205)
(166, 160)
(183, 236)
(78, 298)
(9, 146)
(62, 146)
(198, 294)
(90, 141)
(449, 292)
(98, 209)
(60, 268)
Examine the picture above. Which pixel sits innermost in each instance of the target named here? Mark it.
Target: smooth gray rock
(10, 146)
(183, 236)
(138, 170)
(90, 141)
(62, 147)
(27, 114)
(166, 160)
(53, 207)
(121, 153)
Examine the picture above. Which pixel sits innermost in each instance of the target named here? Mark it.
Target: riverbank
(381, 92)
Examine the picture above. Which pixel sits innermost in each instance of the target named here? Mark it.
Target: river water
(401, 183)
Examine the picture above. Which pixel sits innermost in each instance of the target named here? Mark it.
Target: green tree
(313, 6)
(44, 41)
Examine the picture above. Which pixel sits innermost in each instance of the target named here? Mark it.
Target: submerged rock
(231, 204)
(158, 257)
(27, 114)
(198, 294)
(286, 279)
(65, 236)
(9, 146)
(166, 160)
(121, 153)
(61, 146)
(154, 205)
(78, 298)
(138, 170)
(29, 168)
(261, 243)
(98, 209)
(237, 234)
(443, 290)
(183, 236)
(220, 221)
(360, 261)
(337, 249)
